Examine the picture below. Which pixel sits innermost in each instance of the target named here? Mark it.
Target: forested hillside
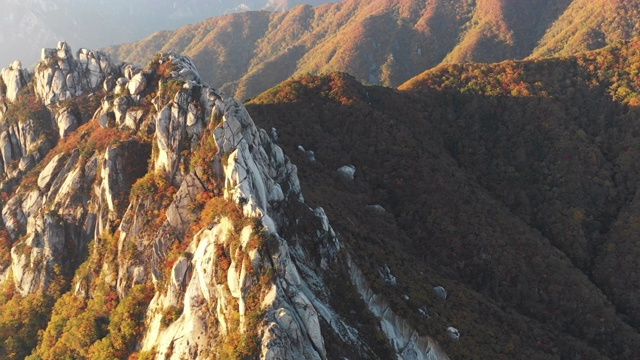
(385, 42)
(476, 211)
(514, 184)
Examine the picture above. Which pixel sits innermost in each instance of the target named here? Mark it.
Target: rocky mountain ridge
(385, 41)
(178, 228)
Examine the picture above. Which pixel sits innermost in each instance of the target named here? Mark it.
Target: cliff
(156, 220)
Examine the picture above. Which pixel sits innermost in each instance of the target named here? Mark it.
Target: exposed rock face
(22, 140)
(25, 134)
(256, 268)
(59, 76)
(406, 342)
(14, 78)
(32, 267)
(50, 238)
(67, 122)
(47, 175)
(261, 179)
(57, 237)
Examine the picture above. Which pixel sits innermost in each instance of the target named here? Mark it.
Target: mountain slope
(377, 41)
(144, 215)
(481, 211)
(603, 88)
(30, 25)
(511, 184)
(589, 25)
(384, 42)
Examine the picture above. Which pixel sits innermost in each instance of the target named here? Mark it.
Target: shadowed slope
(512, 184)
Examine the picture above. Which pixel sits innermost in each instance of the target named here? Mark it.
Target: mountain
(30, 25)
(384, 42)
(477, 211)
(516, 179)
(514, 185)
(589, 25)
(144, 215)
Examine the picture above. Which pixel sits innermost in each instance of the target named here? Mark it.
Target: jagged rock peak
(59, 76)
(192, 201)
(183, 66)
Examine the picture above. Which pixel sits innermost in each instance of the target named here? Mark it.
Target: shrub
(169, 89)
(153, 184)
(28, 107)
(202, 159)
(170, 314)
(5, 249)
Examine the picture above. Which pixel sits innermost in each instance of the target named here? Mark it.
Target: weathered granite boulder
(14, 78)
(137, 84)
(348, 172)
(67, 122)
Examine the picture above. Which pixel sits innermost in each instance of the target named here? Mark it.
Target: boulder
(453, 333)
(109, 83)
(63, 51)
(47, 175)
(47, 54)
(386, 275)
(311, 156)
(132, 119)
(67, 123)
(14, 78)
(137, 84)
(440, 292)
(26, 163)
(6, 149)
(120, 106)
(377, 208)
(348, 172)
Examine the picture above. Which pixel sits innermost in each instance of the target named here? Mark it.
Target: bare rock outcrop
(59, 76)
(14, 79)
(214, 279)
(67, 122)
(185, 195)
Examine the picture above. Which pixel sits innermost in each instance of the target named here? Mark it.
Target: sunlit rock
(14, 78)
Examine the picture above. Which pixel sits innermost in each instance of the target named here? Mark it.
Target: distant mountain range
(27, 26)
(385, 41)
